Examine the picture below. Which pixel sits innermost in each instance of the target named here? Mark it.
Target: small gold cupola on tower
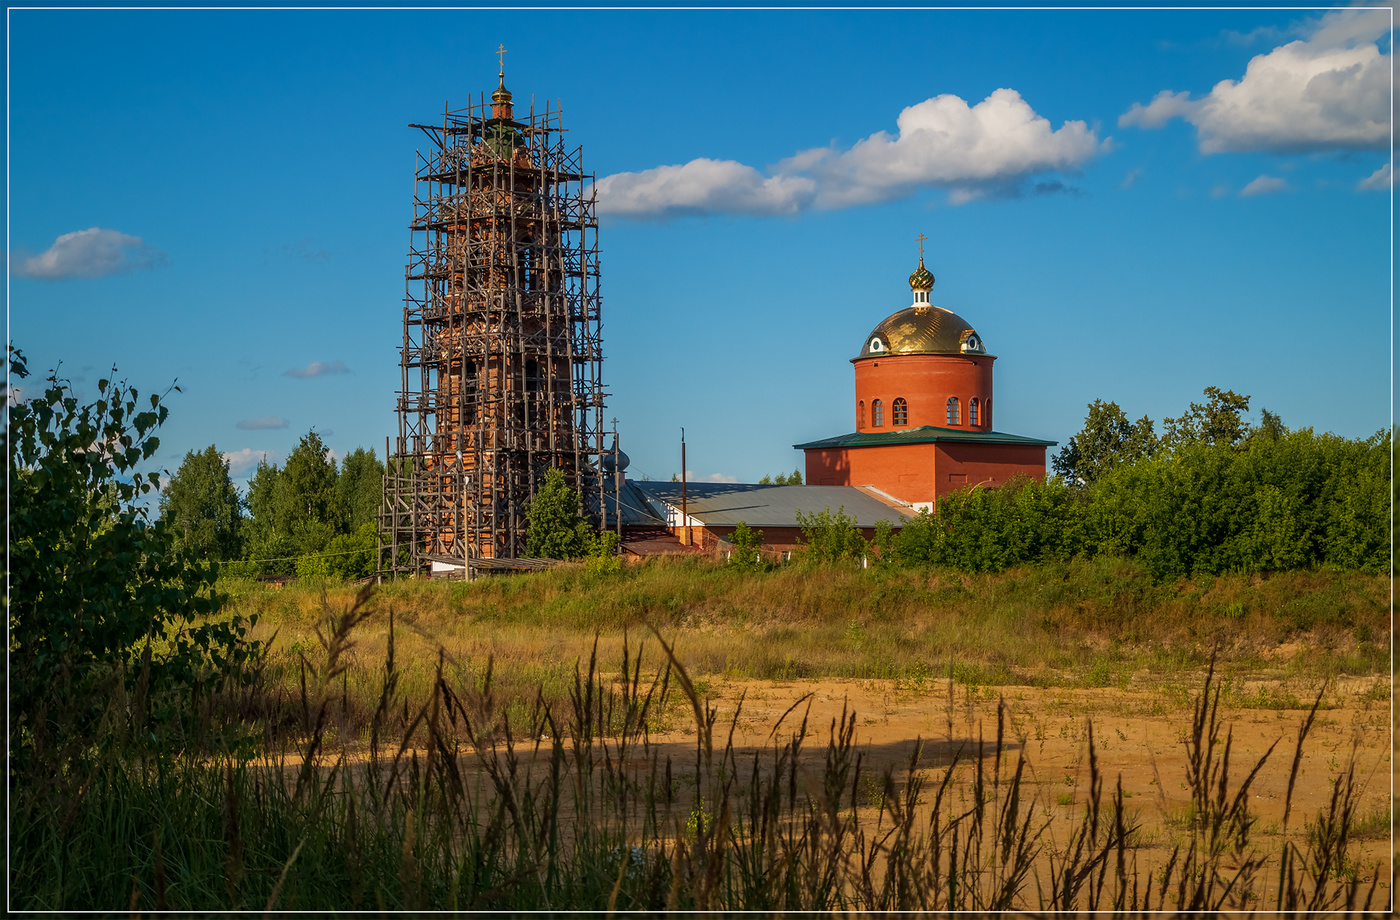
(921, 282)
(501, 99)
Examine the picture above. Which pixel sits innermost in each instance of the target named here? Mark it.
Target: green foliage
(603, 558)
(987, 530)
(747, 553)
(830, 537)
(1218, 423)
(1106, 440)
(110, 624)
(307, 505)
(297, 510)
(267, 549)
(1218, 502)
(348, 556)
(1266, 504)
(884, 544)
(783, 479)
(556, 528)
(360, 488)
(202, 508)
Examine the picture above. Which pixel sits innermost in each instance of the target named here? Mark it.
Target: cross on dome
(501, 97)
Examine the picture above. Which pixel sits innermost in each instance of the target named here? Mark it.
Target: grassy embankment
(578, 808)
(414, 779)
(1100, 623)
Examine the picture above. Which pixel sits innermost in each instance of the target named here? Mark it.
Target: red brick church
(923, 411)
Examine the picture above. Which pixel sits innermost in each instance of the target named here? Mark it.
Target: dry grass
(469, 795)
(1100, 623)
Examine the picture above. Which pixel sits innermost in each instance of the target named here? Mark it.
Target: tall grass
(1082, 623)
(462, 801)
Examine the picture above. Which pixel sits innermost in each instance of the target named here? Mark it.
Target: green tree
(295, 510)
(306, 503)
(1106, 440)
(782, 479)
(202, 507)
(555, 525)
(1219, 423)
(270, 550)
(747, 553)
(1270, 427)
(360, 487)
(110, 625)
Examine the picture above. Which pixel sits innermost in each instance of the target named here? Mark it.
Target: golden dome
(912, 332)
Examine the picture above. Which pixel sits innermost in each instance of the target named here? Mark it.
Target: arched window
(860, 416)
(972, 406)
(901, 411)
(953, 410)
(877, 414)
(988, 413)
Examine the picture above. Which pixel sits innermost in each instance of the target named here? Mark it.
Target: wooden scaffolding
(501, 359)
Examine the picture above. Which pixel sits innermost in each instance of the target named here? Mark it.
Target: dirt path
(1140, 735)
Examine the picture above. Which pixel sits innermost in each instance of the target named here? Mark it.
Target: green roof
(926, 434)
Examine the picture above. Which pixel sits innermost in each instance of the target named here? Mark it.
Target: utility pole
(685, 511)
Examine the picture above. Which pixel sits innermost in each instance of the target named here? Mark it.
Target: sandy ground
(1139, 735)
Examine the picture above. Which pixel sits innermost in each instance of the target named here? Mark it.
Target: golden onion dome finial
(922, 278)
(502, 95)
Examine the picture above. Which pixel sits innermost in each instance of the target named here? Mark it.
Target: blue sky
(1130, 205)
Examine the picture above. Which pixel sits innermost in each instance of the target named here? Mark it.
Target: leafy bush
(1273, 503)
(109, 622)
(348, 556)
(830, 537)
(603, 558)
(747, 553)
(987, 530)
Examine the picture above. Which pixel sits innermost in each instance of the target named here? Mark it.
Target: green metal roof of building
(925, 434)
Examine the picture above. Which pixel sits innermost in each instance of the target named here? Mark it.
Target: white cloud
(1261, 33)
(242, 463)
(265, 423)
(1131, 178)
(1264, 185)
(317, 369)
(91, 253)
(1328, 92)
(1165, 106)
(712, 477)
(1378, 181)
(980, 151)
(945, 142)
(702, 186)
